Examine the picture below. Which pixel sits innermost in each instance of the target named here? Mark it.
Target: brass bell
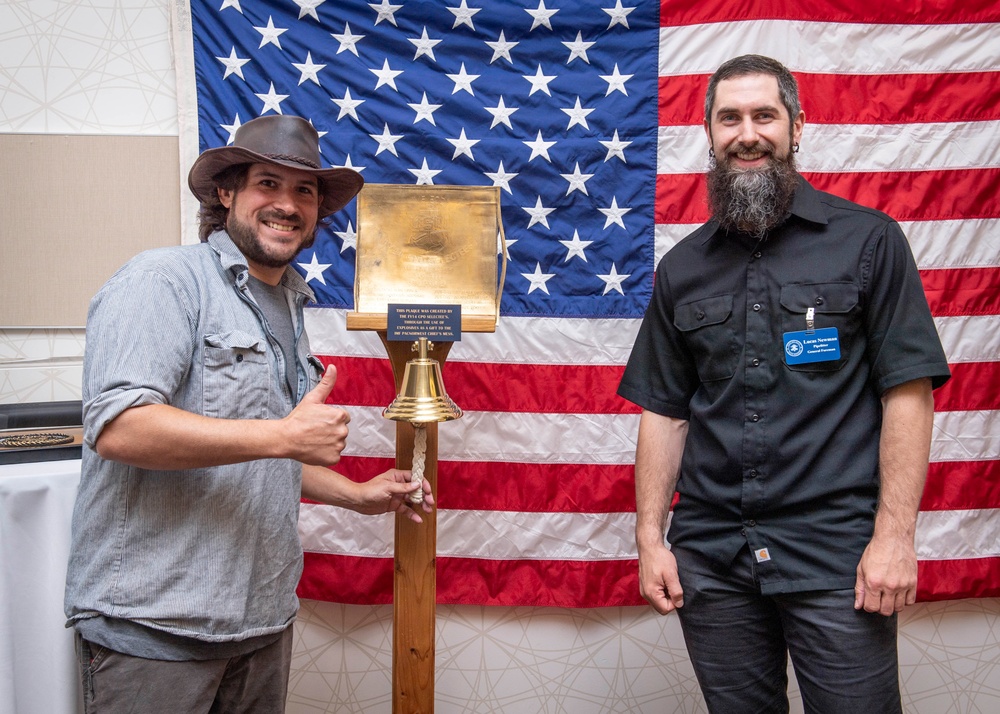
(422, 398)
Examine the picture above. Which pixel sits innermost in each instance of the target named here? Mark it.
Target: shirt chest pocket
(236, 376)
(709, 331)
(834, 305)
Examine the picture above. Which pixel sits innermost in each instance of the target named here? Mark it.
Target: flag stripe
(858, 98)
(694, 12)
(947, 579)
(806, 46)
(962, 485)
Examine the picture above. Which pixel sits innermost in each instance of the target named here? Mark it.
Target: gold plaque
(428, 245)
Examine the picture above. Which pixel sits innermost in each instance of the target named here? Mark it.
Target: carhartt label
(762, 555)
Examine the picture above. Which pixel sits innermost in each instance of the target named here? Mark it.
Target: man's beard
(245, 237)
(752, 201)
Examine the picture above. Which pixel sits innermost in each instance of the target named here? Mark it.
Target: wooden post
(414, 579)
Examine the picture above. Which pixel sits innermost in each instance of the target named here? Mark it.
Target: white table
(38, 671)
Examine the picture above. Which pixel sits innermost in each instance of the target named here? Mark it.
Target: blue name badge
(821, 345)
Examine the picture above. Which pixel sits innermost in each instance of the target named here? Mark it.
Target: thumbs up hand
(317, 431)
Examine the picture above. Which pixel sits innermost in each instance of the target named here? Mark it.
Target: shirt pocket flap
(236, 340)
(704, 312)
(823, 297)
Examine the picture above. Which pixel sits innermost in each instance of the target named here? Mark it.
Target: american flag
(588, 115)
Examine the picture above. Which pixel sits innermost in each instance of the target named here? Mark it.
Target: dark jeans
(738, 640)
(116, 683)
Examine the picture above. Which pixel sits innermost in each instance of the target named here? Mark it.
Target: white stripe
(819, 46)
(838, 148)
(509, 437)
(667, 235)
(970, 338)
(493, 535)
(966, 436)
(516, 535)
(522, 437)
(966, 243)
(518, 340)
(955, 535)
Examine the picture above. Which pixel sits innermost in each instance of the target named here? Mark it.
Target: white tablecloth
(38, 671)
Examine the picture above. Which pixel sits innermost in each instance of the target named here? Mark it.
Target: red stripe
(897, 12)
(858, 98)
(953, 579)
(962, 291)
(515, 486)
(467, 581)
(958, 194)
(962, 485)
(555, 583)
(974, 386)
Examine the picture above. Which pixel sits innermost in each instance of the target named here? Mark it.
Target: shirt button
(755, 417)
(753, 473)
(755, 363)
(757, 254)
(701, 315)
(239, 358)
(819, 301)
(756, 307)
(751, 523)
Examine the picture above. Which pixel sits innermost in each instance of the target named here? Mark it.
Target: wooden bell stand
(423, 245)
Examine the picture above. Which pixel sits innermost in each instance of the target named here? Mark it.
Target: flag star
(269, 35)
(502, 244)
(619, 15)
(539, 147)
(386, 75)
(348, 41)
(425, 176)
(578, 48)
(576, 246)
(501, 114)
(613, 281)
(538, 213)
(613, 214)
(272, 100)
(501, 178)
(507, 243)
(385, 11)
(577, 115)
(615, 147)
(308, 7)
(349, 238)
(231, 128)
(347, 105)
(541, 15)
(616, 81)
(424, 45)
(539, 81)
(577, 181)
(314, 269)
(424, 110)
(386, 141)
(234, 65)
(463, 80)
(348, 165)
(309, 70)
(463, 15)
(502, 48)
(538, 279)
(231, 3)
(463, 146)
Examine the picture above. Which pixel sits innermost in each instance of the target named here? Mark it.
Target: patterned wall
(105, 67)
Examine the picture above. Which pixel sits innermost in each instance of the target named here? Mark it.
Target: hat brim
(337, 185)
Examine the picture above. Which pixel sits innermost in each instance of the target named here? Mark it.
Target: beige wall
(75, 209)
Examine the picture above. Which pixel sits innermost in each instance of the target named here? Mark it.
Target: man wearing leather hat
(205, 424)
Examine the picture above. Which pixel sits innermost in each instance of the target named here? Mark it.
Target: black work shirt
(783, 457)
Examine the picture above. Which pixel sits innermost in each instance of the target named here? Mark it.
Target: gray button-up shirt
(210, 553)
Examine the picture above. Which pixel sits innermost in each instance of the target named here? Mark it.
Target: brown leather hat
(276, 139)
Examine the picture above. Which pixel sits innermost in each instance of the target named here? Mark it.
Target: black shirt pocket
(835, 304)
(236, 376)
(709, 331)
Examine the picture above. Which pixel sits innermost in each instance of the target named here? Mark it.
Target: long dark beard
(752, 201)
(245, 238)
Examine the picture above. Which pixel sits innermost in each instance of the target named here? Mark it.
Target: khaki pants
(116, 683)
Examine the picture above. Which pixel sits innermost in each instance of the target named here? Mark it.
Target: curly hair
(212, 215)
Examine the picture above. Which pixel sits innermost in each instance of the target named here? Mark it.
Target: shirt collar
(806, 204)
(235, 262)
